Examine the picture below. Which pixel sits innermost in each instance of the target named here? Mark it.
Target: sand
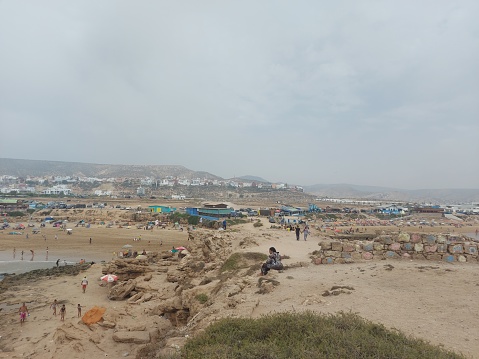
(434, 301)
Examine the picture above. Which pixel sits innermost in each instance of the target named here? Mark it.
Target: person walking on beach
(84, 283)
(90, 240)
(62, 312)
(306, 231)
(297, 230)
(58, 262)
(23, 313)
(79, 310)
(54, 307)
(14, 251)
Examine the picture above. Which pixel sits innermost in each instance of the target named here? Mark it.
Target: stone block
(346, 255)
(339, 261)
(336, 246)
(416, 238)
(404, 237)
(328, 260)
(358, 247)
(455, 249)
(441, 247)
(448, 258)
(470, 249)
(430, 248)
(368, 247)
(395, 246)
(368, 255)
(385, 239)
(434, 256)
(461, 258)
(419, 247)
(406, 256)
(335, 254)
(317, 260)
(348, 248)
(325, 246)
(418, 255)
(441, 239)
(378, 253)
(408, 246)
(356, 256)
(378, 246)
(391, 254)
(137, 337)
(430, 240)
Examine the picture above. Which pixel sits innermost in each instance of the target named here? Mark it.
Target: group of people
(23, 310)
(297, 230)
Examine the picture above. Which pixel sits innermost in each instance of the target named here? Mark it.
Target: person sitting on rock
(273, 262)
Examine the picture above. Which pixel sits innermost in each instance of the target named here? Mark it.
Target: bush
(307, 335)
(202, 298)
(258, 224)
(16, 214)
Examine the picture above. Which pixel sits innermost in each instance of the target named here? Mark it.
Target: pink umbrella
(109, 278)
(180, 248)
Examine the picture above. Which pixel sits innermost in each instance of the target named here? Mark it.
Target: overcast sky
(366, 92)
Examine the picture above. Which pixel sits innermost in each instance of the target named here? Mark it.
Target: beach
(432, 300)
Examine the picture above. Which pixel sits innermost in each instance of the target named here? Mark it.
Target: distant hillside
(253, 178)
(447, 195)
(23, 168)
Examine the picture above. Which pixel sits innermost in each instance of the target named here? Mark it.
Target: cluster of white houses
(59, 184)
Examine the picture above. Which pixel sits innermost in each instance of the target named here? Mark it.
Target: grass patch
(307, 335)
(242, 260)
(202, 298)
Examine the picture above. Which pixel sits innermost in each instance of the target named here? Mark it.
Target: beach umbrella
(109, 278)
(180, 248)
(127, 246)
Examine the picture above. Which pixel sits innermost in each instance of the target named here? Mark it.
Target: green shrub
(202, 298)
(307, 335)
(258, 224)
(242, 260)
(16, 214)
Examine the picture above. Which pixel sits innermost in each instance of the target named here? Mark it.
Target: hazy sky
(366, 92)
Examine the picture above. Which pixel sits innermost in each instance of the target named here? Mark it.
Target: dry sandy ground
(431, 300)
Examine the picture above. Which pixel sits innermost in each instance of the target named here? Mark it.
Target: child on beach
(79, 310)
(23, 313)
(54, 307)
(62, 312)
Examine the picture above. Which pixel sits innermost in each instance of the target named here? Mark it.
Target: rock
(137, 337)
(107, 324)
(148, 277)
(122, 290)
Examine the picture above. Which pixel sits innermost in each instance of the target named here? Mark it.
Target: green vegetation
(177, 217)
(306, 335)
(15, 214)
(202, 298)
(242, 260)
(258, 224)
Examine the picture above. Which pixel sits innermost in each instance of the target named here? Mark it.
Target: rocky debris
(140, 298)
(107, 324)
(127, 268)
(64, 334)
(266, 285)
(337, 290)
(136, 337)
(122, 290)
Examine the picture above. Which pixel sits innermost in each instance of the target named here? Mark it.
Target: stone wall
(437, 247)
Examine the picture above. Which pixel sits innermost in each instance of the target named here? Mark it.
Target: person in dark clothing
(273, 262)
(297, 230)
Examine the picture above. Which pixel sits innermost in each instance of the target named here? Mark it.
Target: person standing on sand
(90, 240)
(297, 230)
(224, 224)
(23, 313)
(79, 310)
(58, 262)
(54, 307)
(84, 283)
(62, 312)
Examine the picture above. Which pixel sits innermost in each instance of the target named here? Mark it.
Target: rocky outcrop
(127, 269)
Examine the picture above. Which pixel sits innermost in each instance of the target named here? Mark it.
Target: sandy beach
(431, 300)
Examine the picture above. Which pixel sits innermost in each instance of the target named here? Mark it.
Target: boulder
(137, 337)
(122, 290)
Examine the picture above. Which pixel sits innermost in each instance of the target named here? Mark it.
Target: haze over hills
(23, 168)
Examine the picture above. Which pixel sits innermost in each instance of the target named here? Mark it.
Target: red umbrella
(109, 278)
